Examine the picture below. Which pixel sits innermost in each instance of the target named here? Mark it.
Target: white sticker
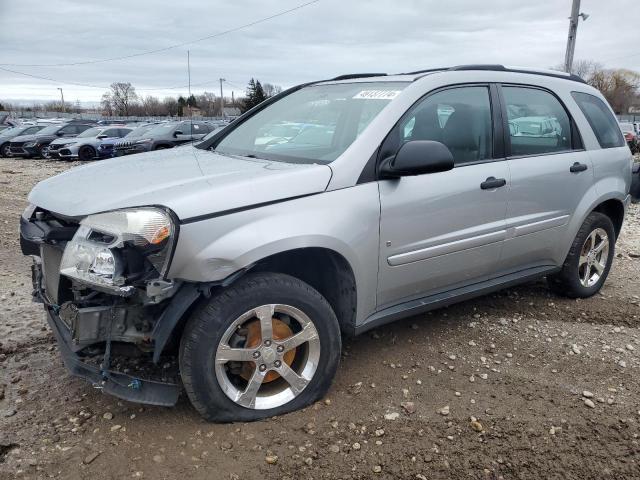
(377, 94)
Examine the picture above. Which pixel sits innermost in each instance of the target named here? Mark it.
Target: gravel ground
(520, 384)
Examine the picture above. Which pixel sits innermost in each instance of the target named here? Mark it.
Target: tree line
(122, 100)
(621, 87)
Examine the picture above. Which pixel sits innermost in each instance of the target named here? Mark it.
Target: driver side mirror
(60, 134)
(417, 157)
(177, 132)
(100, 137)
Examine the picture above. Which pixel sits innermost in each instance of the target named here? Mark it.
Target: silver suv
(232, 268)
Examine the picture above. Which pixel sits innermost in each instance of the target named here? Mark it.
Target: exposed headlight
(111, 248)
(31, 144)
(144, 140)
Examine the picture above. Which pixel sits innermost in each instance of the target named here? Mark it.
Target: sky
(321, 40)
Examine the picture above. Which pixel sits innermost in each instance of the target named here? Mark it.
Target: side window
(602, 122)
(458, 117)
(112, 132)
(538, 123)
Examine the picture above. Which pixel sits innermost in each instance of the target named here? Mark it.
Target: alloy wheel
(594, 256)
(267, 356)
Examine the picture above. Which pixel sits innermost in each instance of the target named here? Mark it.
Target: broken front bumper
(114, 383)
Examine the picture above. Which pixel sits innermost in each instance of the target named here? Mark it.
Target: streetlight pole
(221, 98)
(62, 95)
(573, 31)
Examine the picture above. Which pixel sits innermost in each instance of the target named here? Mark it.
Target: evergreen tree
(182, 102)
(255, 95)
(191, 101)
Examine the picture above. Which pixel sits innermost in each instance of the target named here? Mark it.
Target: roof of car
(414, 75)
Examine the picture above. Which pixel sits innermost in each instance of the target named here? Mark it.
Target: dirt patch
(519, 384)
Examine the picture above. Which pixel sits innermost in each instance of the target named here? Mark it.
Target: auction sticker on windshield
(377, 94)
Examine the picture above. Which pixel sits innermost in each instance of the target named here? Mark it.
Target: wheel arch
(327, 271)
(614, 209)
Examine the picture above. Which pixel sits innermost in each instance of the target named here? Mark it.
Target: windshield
(91, 132)
(50, 130)
(10, 131)
(313, 125)
(138, 132)
(162, 129)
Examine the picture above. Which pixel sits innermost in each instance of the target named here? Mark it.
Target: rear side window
(538, 123)
(602, 122)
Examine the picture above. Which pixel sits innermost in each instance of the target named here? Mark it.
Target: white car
(86, 145)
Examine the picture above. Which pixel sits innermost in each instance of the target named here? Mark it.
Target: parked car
(37, 145)
(7, 135)
(241, 263)
(107, 147)
(630, 136)
(165, 135)
(85, 146)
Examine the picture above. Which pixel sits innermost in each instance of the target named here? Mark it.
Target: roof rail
(349, 76)
(428, 70)
(502, 68)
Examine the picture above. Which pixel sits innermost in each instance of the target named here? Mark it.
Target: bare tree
(207, 103)
(171, 106)
(120, 97)
(270, 90)
(152, 106)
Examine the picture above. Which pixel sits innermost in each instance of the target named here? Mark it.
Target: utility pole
(221, 98)
(62, 95)
(573, 31)
(189, 74)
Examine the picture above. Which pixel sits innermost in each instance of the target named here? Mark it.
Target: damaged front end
(102, 280)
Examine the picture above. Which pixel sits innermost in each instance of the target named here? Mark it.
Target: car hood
(62, 141)
(190, 181)
(31, 138)
(24, 138)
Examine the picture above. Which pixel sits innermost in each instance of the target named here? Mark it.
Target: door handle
(577, 167)
(493, 182)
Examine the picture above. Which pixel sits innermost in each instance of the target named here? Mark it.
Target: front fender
(345, 221)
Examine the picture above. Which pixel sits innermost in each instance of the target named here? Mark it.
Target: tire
(4, 150)
(43, 152)
(583, 272)
(208, 378)
(86, 153)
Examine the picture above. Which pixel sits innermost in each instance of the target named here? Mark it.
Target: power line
(164, 49)
(103, 87)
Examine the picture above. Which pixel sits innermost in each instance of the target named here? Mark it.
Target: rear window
(602, 122)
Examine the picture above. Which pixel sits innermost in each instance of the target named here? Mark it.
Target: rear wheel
(588, 263)
(86, 153)
(4, 150)
(267, 345)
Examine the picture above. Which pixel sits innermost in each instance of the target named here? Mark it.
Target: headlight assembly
(112, 249)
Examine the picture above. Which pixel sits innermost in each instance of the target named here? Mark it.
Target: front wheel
(4, 150)
(267, 345)
(86, 153)
(589, 260)
(43, 151)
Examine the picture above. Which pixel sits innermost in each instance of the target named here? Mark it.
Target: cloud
(322, 40)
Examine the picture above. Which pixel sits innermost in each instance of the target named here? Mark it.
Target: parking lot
(519, 384)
